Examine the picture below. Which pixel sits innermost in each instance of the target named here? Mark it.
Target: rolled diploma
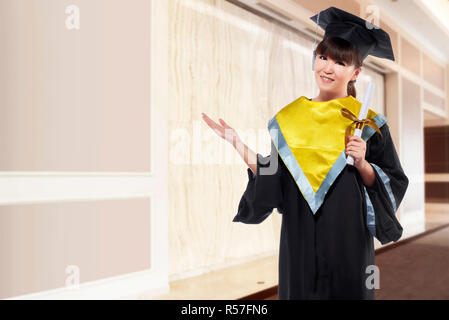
(362, 115)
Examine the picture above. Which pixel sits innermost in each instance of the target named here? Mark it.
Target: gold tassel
(359, 124)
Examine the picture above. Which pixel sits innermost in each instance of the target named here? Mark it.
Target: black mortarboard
(368, 38)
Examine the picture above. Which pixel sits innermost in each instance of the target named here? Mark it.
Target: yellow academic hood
(310, 138)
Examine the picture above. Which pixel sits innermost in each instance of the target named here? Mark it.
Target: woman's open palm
(223, 130)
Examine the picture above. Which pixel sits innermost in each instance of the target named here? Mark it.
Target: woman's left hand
(356, 148)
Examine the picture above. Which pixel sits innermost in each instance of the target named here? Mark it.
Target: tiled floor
(248, 278)
(436, 215)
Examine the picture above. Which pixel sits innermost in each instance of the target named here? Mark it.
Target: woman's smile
(326, 80)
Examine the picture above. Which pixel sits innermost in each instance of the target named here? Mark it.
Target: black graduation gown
(325, 256)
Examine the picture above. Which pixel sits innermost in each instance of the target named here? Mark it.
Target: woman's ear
(356, 74)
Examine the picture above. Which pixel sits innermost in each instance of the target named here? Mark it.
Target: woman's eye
(322, 57)
(341, 63)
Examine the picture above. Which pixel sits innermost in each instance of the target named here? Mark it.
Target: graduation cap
(368, 38)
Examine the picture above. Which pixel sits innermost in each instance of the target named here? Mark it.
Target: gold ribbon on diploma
(359, 124)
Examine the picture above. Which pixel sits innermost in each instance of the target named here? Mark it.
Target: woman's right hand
(223, 130)
(230, 135)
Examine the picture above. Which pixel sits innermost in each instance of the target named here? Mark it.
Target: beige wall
(75, 100)
(411, 119)
(75, 134)
(41, 242)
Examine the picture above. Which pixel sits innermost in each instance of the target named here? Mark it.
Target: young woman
(330, 211)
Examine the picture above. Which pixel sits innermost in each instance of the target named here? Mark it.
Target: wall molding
(128, 286)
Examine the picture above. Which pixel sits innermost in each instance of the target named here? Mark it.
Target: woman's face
(339, 72)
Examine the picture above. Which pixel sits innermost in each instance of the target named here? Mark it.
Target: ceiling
(426, 20)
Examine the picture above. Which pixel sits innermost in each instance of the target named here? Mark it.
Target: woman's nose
(329, 68)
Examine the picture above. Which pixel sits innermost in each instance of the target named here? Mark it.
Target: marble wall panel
(232, 64)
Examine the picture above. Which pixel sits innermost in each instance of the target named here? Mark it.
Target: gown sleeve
(263, 192)
(384, 197)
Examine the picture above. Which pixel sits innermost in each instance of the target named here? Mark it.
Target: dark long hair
(339, 49)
